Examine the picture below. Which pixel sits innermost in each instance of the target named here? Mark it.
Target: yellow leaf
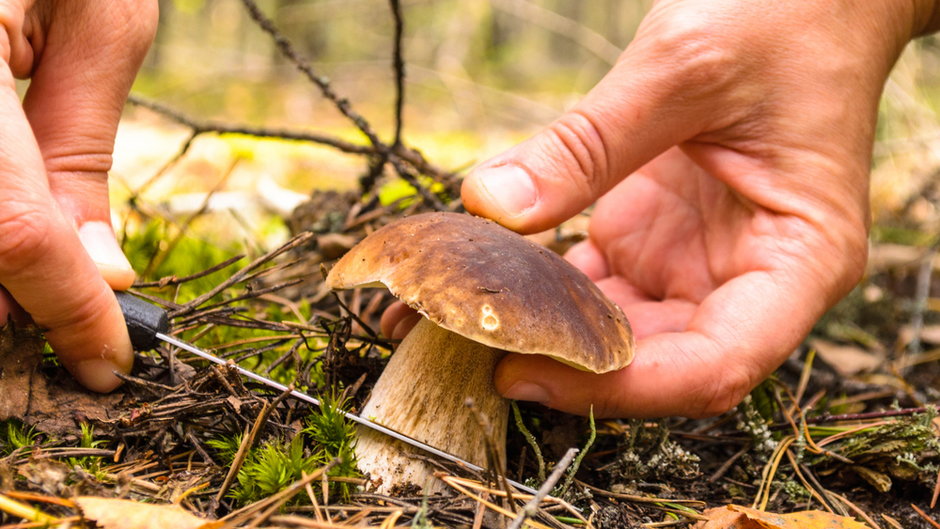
(111, 513)
(737, 517)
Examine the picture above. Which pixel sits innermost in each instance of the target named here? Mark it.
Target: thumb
(643, 106)
(90, 55)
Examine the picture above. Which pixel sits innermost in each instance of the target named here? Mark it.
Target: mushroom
(482, 290)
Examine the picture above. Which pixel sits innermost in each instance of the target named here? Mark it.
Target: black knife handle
(144, 321)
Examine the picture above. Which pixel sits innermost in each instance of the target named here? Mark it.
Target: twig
(457, 484)
(530, 509)
(184, 148)
(326, 89)
(206, 127)
(810, 483)
(804, 377)
(342, 104)
(494, 455)
(174, 280)
(25, 512)
(398, 64)
(767, 476)
(936, 491)
(924, 515)
(241, 274)
(864, 416)
(248, 441)
(637, 498)
(855, 508)
(161, 257)
(726, 466)
(409, 176)
(365, 326)
(198, 127)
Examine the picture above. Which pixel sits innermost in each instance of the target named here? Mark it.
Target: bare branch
(287, 50)
(398, 64)
(204, 127)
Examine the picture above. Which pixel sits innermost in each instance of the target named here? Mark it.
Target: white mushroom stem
(422, 393)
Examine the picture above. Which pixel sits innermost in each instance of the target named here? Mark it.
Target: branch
(204, 127)
(398, 64)
(531, 507)
(287, 50)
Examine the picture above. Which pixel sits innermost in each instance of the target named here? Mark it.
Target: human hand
(730, 148)
(59, 259)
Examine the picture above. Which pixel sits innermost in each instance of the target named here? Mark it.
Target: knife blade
(148, 325)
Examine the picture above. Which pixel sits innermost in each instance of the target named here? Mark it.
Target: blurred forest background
(481, 75)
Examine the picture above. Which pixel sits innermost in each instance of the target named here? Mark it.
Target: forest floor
(845, 425)
(209, 215)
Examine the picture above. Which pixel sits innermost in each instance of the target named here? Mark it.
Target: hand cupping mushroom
(482, 290)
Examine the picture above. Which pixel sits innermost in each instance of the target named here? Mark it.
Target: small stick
(248, 441)
(494, 455)
(531, 507)
(924, 515)
(286, 48)
(174, 280)
(205, 127)
(398, 64)
(241, 274)
(863, 416)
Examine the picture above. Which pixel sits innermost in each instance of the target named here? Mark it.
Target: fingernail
(97, 375)
(527, 391)
(99, 242)
(509, 187)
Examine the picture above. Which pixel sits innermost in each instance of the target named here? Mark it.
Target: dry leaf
(112, 513)
(53, 403)
(847, 360)
(737, 517)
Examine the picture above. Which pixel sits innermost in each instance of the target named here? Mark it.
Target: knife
(148, 325)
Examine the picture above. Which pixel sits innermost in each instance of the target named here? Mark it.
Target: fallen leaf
(738, 517)
(52, 402)
(847, 360)
(112, 513)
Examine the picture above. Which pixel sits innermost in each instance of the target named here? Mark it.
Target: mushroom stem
(422, 393)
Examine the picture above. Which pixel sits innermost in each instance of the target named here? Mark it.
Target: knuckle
(25, 235)
(582, 140)
(80, 156)
(720, 396)
(701, 61)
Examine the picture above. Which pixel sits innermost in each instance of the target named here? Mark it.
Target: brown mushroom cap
(478, 279)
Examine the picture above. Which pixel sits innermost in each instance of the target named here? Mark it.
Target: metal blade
(351, 416)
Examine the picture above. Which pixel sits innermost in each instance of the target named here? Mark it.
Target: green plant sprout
(333, 436)
(18, 436)
(277, 464)
(225, 447)
(91, 464)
